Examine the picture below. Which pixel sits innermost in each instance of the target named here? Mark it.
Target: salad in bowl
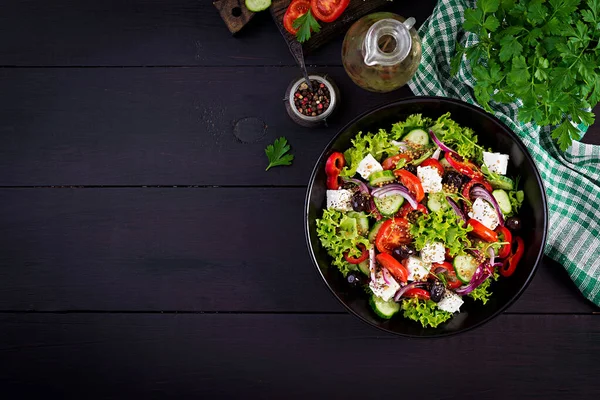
(421, 217)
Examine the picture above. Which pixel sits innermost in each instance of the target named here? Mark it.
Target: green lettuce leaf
(442, 226)
(415, 121)
(378, 145)
(424, 311)
(460, 139)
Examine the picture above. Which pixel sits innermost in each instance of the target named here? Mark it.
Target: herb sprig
(306, 23)
(276, 153)
(546, 53)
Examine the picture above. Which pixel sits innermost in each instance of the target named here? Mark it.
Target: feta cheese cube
(382, 289)
(485, 213)
(417, 269)
(340, 200)
(496, 162)
(433, 252)
(430, 179)
(450, 302)
(367, 166)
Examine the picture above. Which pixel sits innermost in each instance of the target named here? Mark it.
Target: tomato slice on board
(388, 262)
(391, 162)
(451, 279)
(328, 10)
(504, 235)
(412, 183)
(418, 293)
(357, 260)
(432, 162)
(482, 231)
(294, 10)
(407, 208)
(393, 233)
(510, 264)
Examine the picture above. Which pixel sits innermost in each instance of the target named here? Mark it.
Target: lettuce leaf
(460, 139)
(424, 311)
(482, 292)
(338, 234)
(442, 226)
(379, 145)
(415, 121)
(516, 198)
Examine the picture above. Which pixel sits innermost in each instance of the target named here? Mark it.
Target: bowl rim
(419, 99)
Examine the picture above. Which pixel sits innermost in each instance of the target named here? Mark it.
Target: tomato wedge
(482, 231)
(295, 10)
(388, 262)
(393, 233)
(475, 181)
(412, 183)
(391, 162)
(510, 264)
(432, 162)
(504, 235)
(406, 208)
(465, 167)
(418, 293)
(333, 168)
(451, 279)
(357, 260)
(328, 10)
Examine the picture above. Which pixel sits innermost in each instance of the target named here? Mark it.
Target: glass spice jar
(311, 108)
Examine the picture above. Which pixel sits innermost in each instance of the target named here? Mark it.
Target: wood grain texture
(293, 357)
(185, 249)
(234, 13)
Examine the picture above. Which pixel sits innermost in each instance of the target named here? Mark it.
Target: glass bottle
(381, 51)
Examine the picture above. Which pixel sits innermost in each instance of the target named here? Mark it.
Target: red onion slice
(386, 276)
(436, 154)
(481, 274)
(395, 188)
(372, 263)
(480, 192)
(440, 144)
(456, 208)
(361, 185)
(492, 255)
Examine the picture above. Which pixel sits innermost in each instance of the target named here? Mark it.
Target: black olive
(411, 168)
(453, 178)
(437, 290)
(360, 202)
(513, 223)
(354, 280)
(403, 252)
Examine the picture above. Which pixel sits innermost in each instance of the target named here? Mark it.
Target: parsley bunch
(546, 53)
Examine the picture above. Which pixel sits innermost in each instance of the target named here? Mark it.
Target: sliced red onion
(361, 185)
(440, 144)
(481, 274)
(372, 263)
(405, 288)
(402, 146)
(492, 255)
(436, 154)
(393, 189)
(480, 192)
(456, 208)
(386, 276)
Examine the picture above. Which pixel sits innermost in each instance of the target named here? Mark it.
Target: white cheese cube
(417, 269)
(340, 200)
(430, 179)
(382, 289)
(367, 166)
(450, 302)
(433, 252)
(485, 213)
(496, 162)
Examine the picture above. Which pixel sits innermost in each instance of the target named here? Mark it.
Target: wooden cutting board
(235, 15)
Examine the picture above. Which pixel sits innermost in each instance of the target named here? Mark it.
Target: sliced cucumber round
(384, 309)
(417, 136)
(374, 230)
(465, 266)
(364, 267)
(381, 177)
(258, 5)
(503, 201)
(389, 205)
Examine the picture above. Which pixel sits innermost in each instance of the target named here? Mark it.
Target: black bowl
(492, 133)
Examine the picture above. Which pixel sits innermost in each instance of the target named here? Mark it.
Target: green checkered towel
(572, 179)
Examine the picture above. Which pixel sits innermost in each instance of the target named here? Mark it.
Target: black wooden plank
(293, 356)
(185, 249)
(148, 32)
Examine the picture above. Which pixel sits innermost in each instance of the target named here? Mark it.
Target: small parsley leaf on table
(276, 153)
(306, 24)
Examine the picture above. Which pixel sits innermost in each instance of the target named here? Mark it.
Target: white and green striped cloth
(572, 179)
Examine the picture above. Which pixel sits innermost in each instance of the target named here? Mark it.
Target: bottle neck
(387, 42)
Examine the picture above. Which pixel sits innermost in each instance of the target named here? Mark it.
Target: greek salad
(422, 218)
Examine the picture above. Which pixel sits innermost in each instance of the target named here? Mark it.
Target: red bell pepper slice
(407, 208)
(465, 167)
(475, 181)
(357, 260)
(432, 162)
(388, 262)
(412, 183)
(504, 235)
(333, 167)
(482, 231)
(451, 279)
(510, 264)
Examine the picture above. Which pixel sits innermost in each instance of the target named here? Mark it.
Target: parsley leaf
(276, 153)
(306, 24)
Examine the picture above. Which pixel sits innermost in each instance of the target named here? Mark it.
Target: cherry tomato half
(412, 183)
(432, 162)
(406, 208)
(388, 262)
(418, 293)
(391, 162)
(482, 231)
(328, 10)
(393, 233)
(294, 10)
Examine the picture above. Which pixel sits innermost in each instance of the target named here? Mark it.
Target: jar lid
(397, 32)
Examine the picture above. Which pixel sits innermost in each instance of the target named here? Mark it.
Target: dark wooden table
(146, 252)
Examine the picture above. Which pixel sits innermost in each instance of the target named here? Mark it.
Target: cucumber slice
(417, 136)
(374, 231)
(437, 202)
(364, 267)
(501, 182)
(384, 309)
(389, 205)
(465, 266)
(381, 177)
(258, 5)
(362, 221)
(503, 201)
